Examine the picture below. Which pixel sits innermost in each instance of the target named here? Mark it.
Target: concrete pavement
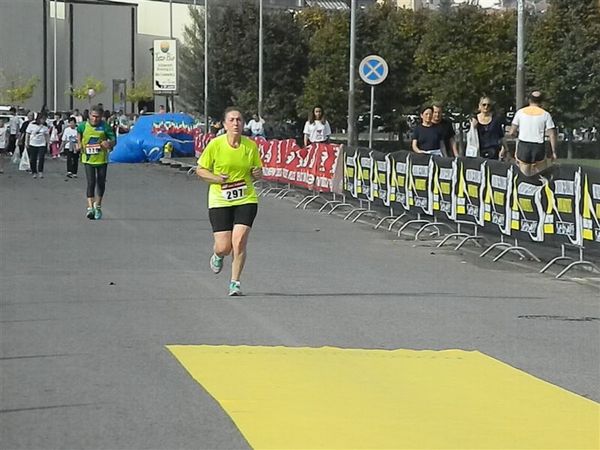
(87, 307)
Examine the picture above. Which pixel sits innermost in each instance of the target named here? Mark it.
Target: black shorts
(223, 219)
(531, 152)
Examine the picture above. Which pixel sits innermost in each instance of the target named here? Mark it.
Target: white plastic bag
(24, 164)
(16, 158)
(472, 150)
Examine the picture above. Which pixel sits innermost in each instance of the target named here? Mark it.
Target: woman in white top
(316, 128)
(69, 143)
(530, 125)
(37, 138)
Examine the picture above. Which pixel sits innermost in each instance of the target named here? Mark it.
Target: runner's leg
(222, 246)
(101, 183)
(90, 174)
(239, 240)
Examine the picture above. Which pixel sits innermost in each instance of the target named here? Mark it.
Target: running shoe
(74, 175)
(90, 213)
(235, 289)
(216, 263)
(69, 174)
(34, 175)
(41, 174)
(98, 213)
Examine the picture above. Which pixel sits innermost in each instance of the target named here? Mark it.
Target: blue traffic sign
(373, 69)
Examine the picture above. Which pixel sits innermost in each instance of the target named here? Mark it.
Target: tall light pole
(260, 58)
(206, 66)
(520, 91)
(172, 96)
(351, 135)
(55, 82)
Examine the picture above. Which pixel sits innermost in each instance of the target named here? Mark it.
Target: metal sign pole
(371, 116)
(373, 70)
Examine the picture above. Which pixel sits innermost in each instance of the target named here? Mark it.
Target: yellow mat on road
(331, 398)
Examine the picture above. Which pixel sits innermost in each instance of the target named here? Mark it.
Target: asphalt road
(87, 307)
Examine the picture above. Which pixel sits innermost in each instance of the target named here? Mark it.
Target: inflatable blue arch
(147, 140)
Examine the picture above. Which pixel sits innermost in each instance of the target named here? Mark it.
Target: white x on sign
(373, 69)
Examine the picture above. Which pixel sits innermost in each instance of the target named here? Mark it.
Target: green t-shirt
(237, 163)
(91, 151)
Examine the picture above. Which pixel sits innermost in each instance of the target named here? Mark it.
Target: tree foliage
(81, 92)
(453, 55)
(16, 91)
(141, 91)
(233, 59)
(564, 60)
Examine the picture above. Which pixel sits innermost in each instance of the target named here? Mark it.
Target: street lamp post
(55, 82)
(260, 58)
(172, 96)
(351, 135)
(206, 66)
(520, 91)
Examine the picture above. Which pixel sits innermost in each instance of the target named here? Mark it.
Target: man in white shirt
(530, 125)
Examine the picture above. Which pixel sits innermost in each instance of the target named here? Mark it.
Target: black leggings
(96, 176)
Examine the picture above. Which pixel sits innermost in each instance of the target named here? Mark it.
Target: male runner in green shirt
(95, 139)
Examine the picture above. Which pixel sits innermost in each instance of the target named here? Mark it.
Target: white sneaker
(35, 175)
(41, 175)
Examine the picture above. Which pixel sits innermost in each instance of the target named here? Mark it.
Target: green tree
(233, 59)
(141, 91)
(327, 80)
(394, 34)
(16, 91)
(466, 53)
(82, 91)
(564, 61)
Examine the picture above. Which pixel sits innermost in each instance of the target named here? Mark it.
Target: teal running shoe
(235, 289)
(90, 214)
(97, 213)
(216, 263)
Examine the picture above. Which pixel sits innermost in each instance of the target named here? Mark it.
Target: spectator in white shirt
(316, 128)
(256, 126)
(3, 142)
(36, 140)
(530, 125)
(13, 129)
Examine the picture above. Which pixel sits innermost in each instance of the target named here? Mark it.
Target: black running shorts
(223, 219)
(531, 152)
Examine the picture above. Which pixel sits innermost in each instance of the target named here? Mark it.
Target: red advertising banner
(314, 167)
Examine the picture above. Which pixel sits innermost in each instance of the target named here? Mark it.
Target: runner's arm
(553, 142)
(109, 142)
(209, 177)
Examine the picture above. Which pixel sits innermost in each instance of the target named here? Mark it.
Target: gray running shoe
(235, 289)
(216, 263)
